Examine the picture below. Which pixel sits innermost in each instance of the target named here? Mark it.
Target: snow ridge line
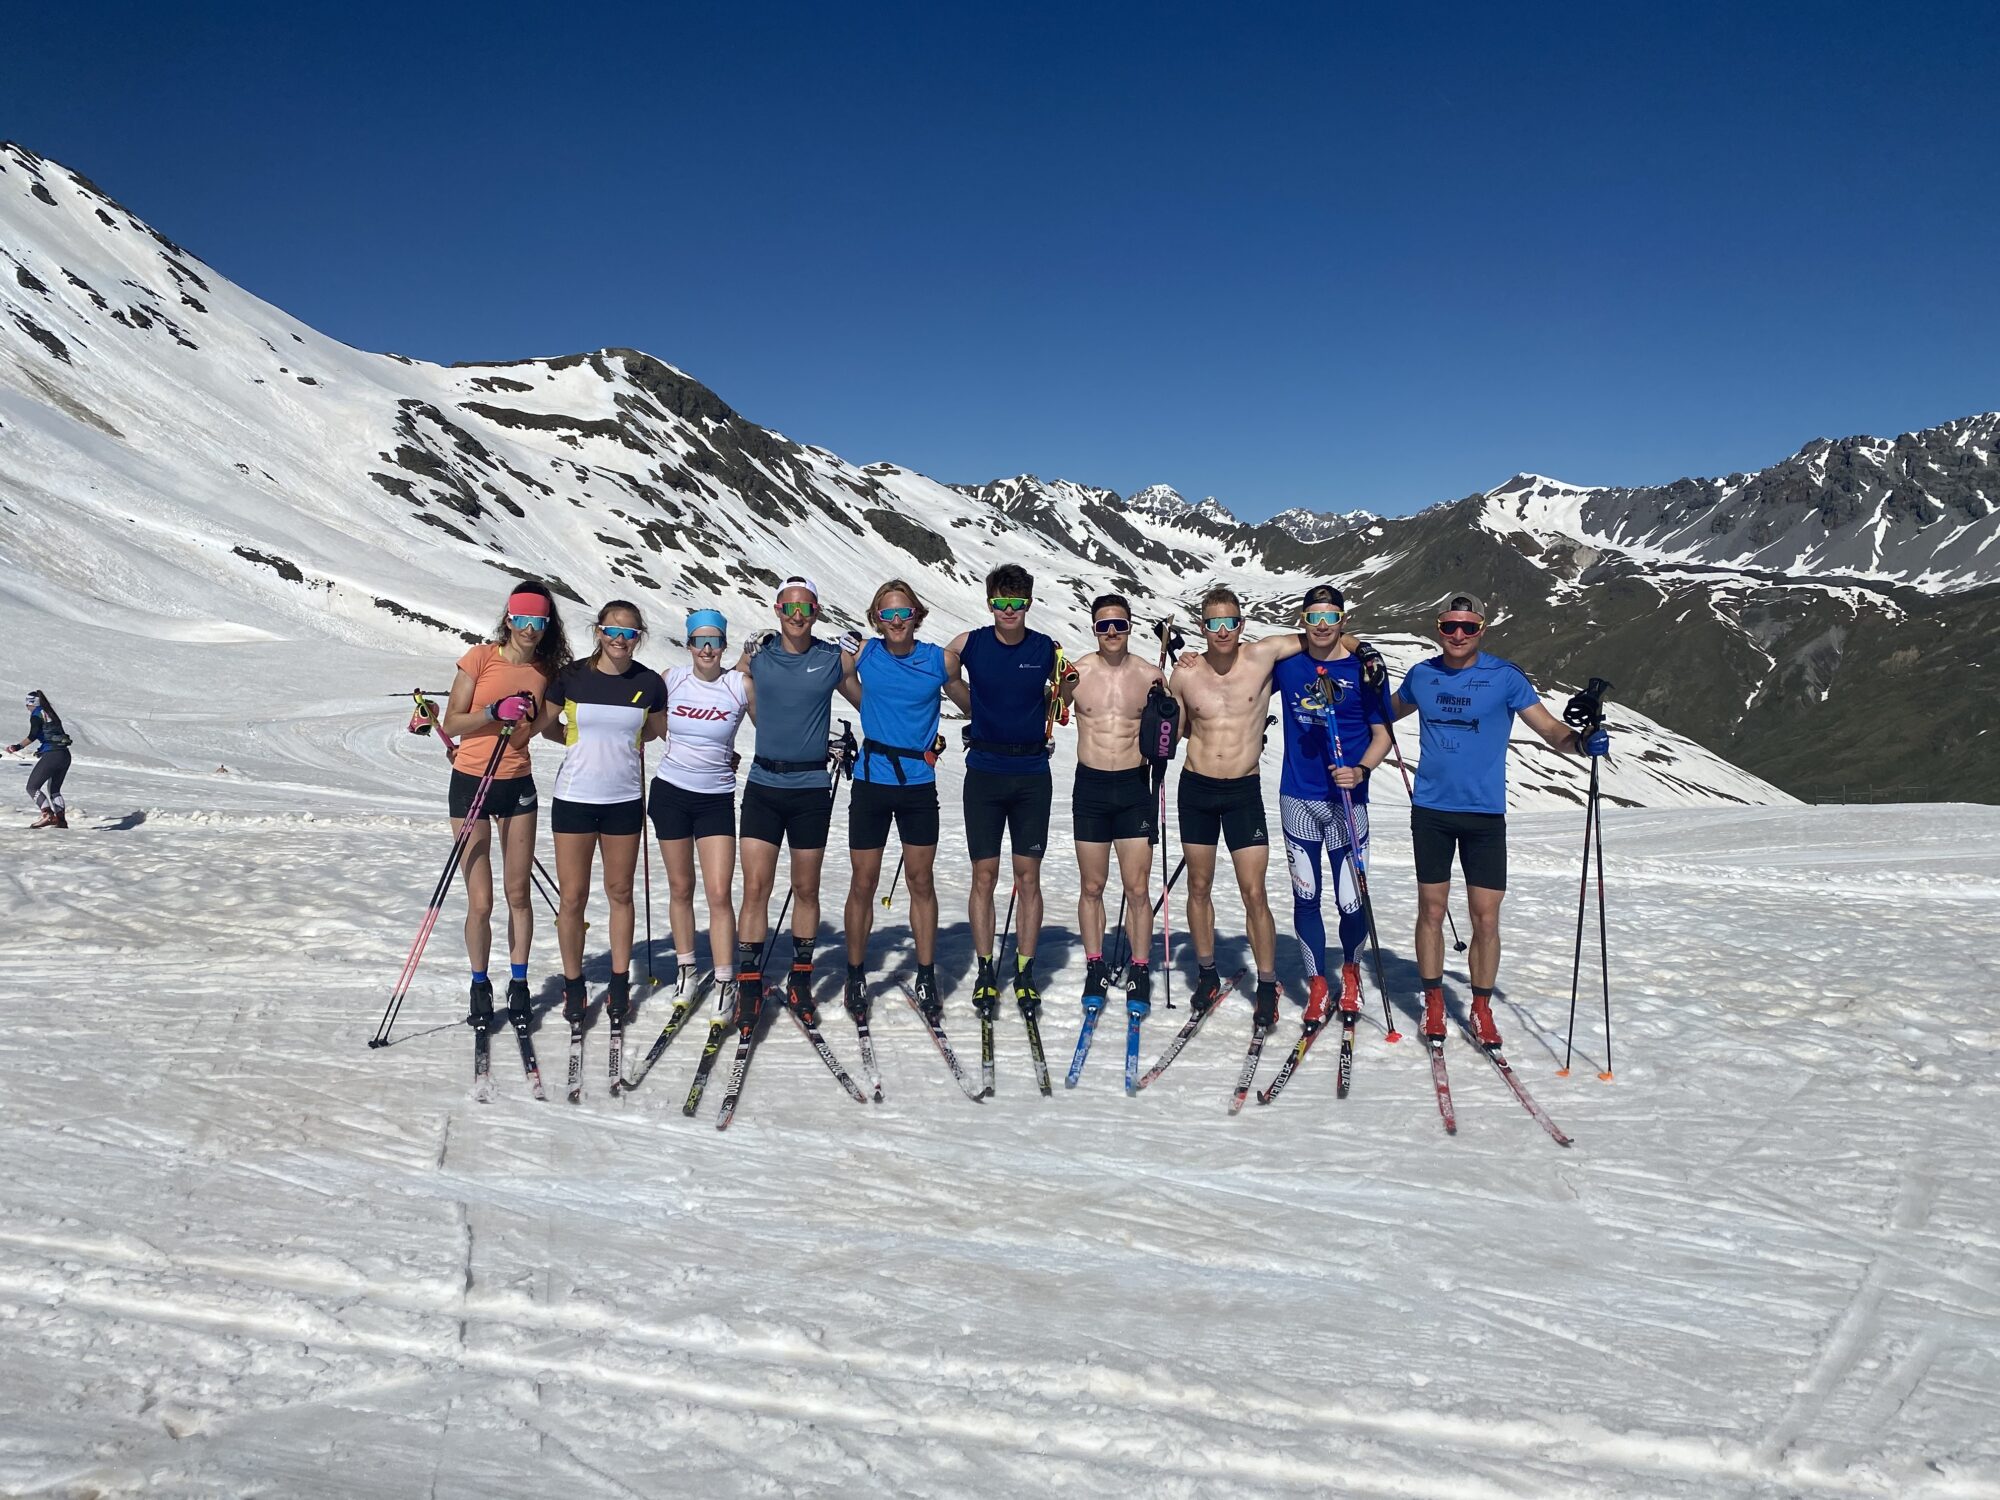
(1577, 1442)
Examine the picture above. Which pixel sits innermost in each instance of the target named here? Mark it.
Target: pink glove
(512, 709)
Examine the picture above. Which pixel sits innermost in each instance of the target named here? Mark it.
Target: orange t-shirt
(494, 678)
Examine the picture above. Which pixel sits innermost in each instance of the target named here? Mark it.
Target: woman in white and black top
(693, 797)
(601, 709)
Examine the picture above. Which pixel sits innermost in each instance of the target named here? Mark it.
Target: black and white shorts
(616, 820)
(1479, 839)
(873, 805)
(1213, 809)
(1018, 806)
(681, 814)
(504, 799)
(1108, 805)
(797, 815)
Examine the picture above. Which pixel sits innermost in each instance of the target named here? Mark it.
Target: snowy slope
(180, 459)
(242, 1254)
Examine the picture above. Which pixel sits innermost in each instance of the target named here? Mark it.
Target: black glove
(1374, 670)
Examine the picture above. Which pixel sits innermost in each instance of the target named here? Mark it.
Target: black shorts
(504, 799)
(1479, 838)
(681, 814)
(1213, 809)
(871, 805)
(1109, 805)
(1019, 805)
(616, 820)
(797, 815)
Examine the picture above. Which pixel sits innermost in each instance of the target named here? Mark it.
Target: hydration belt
(896, 755)
(788, 767)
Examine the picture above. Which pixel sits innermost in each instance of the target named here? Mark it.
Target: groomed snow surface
(242, 1254)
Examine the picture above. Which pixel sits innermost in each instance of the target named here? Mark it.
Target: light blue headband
(699, 619)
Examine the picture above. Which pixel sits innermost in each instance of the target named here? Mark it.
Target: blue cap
(700, 619)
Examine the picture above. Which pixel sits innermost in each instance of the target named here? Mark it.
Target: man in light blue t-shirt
(1466, 702)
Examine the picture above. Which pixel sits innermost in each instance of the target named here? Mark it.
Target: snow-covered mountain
(179, 458)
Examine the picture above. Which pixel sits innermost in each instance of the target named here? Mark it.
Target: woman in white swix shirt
(693, 799)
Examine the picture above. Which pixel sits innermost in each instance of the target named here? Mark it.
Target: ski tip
(1605, 1076)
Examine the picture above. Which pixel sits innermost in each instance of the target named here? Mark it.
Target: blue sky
(1324, 256)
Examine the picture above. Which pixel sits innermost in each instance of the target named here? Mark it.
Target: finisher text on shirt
(1467, 717)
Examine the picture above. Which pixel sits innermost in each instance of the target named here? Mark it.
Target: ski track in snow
(240, 1253)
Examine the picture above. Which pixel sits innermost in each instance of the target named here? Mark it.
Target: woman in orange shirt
(500, 684)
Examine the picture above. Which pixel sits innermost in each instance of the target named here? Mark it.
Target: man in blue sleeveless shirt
(787, 797)
(1007, 673)
(1466, 702)
(900, 679)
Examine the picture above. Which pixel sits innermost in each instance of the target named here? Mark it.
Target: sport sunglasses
(798, 609)
(1324, 616)
(1008, 606)
(618, 632)
(1112, 627)
(529, 622)
(895, 614)
(1221, 623)
(707, 642)
(1460, 627)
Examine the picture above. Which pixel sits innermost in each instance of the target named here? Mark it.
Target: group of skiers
(1016, 686)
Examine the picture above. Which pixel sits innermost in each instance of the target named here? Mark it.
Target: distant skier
(900, 679)
(1114, 803)
(786, 799)
(1466, 702)
(601, 709)
(1007, 674)
(693, 800)
(1328, 691)
(501, 682)
(1223, 693)
(45, 782)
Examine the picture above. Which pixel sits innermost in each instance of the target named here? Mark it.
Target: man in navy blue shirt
(1466, 702)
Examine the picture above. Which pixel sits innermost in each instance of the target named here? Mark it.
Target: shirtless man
(1223, 696)
(1114, 799)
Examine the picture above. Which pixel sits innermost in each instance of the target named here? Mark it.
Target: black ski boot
(520, 1009)
(986, 991)
(1207, 991)
(930, 1004)
(856, 996)
(1266, 1015)
(482, 1017)
(1026, 994)
(799, 995)
(1096, 980)
(618, 1000)
(576, 1001)
(1139, 992)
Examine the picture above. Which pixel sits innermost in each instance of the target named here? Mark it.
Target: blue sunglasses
(618, 632)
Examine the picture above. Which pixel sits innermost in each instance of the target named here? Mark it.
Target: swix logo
(706, 713)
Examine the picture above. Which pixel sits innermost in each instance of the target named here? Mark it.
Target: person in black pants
(45, 782)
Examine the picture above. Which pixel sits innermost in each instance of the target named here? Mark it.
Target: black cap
(1323, 593)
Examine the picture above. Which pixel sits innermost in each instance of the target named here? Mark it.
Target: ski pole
(890, 899)
(1585, 714)
(458, 845)
(1172, 881)
(646, 865)
(1166, 906)
(1396, 750)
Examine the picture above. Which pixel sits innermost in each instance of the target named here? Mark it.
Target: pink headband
(527, 604)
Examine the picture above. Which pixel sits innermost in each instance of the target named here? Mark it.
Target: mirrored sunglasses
(1221, 623)
(707, 642)
(618, 632)
(1006, 606)
(798, 609)
(1324, 617)
(529, 622)
(895, 615)
(1112, 627)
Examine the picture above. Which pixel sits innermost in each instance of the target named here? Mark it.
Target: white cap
(796, 581)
